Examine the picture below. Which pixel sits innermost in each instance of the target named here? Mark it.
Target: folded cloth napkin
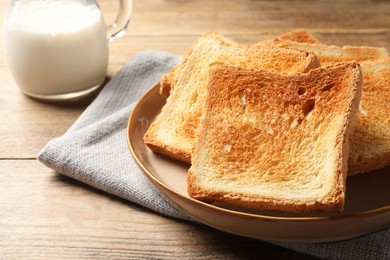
(94, 151)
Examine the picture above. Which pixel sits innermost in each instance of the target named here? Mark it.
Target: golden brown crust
(269, 141)
(299, 35)
(170, 152)
(329, 54)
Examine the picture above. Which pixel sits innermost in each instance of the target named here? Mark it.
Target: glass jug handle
(118, 27)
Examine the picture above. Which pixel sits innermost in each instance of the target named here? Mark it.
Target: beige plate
(367, 206)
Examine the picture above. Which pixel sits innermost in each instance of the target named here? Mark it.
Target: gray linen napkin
(94, 151)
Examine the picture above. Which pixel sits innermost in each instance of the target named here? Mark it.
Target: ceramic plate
(367, 207)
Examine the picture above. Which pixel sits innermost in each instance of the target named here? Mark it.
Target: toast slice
(172, 133)
(273, 142)
(168, 81)
(370, 142)
(299, 35)
(329, 54)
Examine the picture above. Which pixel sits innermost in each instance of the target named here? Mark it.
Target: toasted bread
(370, 142)
(329, 54)
(173, 131)
(273, 142)
(168, 81)
(299, 35)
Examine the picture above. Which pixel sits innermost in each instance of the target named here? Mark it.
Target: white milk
(57, 47)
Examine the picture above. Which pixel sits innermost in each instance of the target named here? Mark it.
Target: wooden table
(44, 215)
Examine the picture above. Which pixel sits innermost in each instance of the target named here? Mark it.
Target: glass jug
(58, 49)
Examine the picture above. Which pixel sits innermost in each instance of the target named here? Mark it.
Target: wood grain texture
(242, 17)
(47, 216)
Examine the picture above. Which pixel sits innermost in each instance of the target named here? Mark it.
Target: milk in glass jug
(58, 49)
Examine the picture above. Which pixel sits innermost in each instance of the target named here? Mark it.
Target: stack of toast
(276, 125)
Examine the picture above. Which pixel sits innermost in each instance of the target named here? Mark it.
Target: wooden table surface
(44, 215)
